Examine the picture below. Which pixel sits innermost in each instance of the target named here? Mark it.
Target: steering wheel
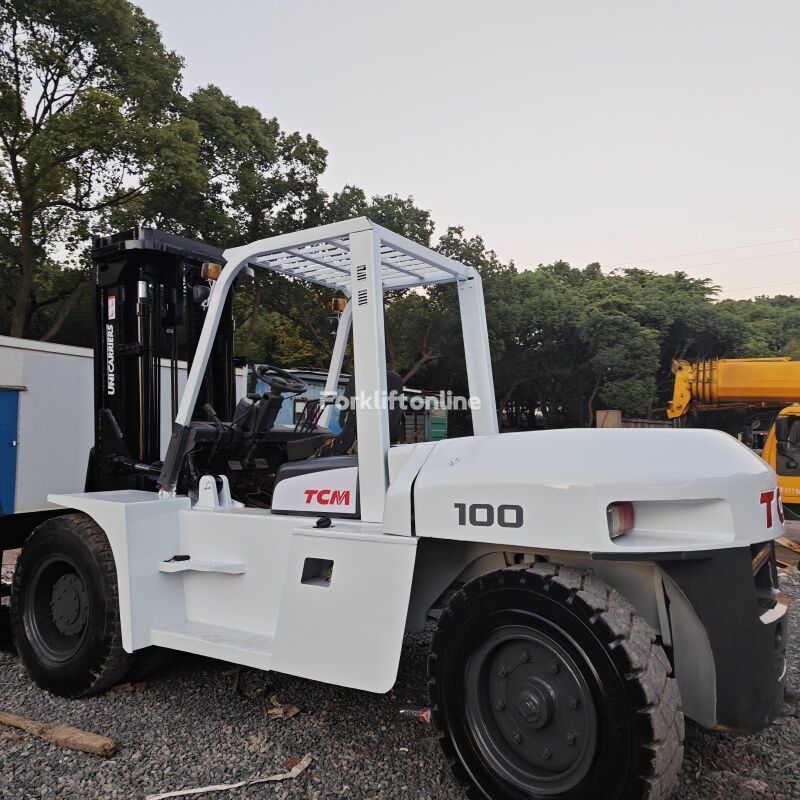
(280, 380)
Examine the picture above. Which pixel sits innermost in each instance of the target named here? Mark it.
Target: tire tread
(646, 671)
(114, 662)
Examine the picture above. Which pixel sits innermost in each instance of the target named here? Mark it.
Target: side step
(199, 565)
(227, 644)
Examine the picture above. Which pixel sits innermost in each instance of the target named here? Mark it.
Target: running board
(199, 565)
(227, 644)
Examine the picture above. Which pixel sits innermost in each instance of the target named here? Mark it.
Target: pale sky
(661, 135)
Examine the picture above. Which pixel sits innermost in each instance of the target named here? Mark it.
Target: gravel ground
(196, 723)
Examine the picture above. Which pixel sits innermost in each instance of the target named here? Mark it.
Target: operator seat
(347, 437)
(239, 439)
(254, 415)
(336, 453)
(322, 446)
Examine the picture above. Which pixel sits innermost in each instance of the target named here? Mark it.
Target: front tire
(65, 608)
(544, 683)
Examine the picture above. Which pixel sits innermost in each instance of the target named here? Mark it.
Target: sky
(630, 132)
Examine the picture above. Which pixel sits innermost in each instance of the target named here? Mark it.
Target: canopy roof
(322, 255)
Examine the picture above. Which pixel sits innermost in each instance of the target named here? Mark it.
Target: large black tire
(65, 608)
(544, 682)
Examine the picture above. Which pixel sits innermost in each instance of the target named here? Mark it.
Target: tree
(623, 361)
(87, 92)
(770, 326)
(414, 333)
(503, 308)
(288, 317)
(247, 180)
(396, 213)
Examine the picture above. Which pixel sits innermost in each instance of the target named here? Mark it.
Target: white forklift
(596, 585)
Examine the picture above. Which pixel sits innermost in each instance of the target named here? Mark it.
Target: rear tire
(65, 608)
(544, 683)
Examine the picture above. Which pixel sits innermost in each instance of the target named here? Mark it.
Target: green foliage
(229, 175)
(83, 83)
(398, 214)
(567, 342)
(770, 325)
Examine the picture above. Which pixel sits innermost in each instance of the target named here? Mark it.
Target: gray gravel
(194, 725)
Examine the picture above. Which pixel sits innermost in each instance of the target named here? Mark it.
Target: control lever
(212, 415)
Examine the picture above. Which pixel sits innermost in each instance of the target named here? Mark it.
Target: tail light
(621, 519)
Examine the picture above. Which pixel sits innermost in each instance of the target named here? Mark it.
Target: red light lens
(621, 519)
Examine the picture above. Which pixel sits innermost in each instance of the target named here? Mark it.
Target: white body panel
(692, 489)
(332, 490)
(351, 632)
(143, 532)
(244, 599)
(56, 426)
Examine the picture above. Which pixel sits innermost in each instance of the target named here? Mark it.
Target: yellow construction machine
(749, 383)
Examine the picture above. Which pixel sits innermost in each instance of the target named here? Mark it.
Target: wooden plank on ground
(63, 735)
(789, 544)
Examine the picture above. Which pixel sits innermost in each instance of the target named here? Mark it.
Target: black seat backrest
(394, 386)
(244, 414)
(308, 419)
(346, 438)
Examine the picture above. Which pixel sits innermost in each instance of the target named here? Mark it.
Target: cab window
(788, 460)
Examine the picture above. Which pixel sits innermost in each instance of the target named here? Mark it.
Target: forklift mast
(150, 301)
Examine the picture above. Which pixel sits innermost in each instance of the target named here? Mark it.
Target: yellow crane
(740, 383)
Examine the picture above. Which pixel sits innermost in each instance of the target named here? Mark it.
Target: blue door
(8, 449)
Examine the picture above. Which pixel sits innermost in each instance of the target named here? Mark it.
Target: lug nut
(517, 738)
(502, 671)
(500, 705)
(569, 738)
(574, 702)
(523, 656)
(546, 753)
(554, 668)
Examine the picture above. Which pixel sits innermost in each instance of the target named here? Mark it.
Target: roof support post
(369, 349)
(337, 359)
(478, 357)
(180, 442)
(205, 343)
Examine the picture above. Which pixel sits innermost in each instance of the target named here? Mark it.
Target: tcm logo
(328, 497)
(767, 500)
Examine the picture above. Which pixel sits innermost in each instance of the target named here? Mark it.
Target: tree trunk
(251, 328)
(506, 399)
(590, 404)
(418, 365)
(391, 355)
(19, 314)
(66, 306)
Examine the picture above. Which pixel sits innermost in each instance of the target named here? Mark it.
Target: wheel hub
(536, 704)
(69, 604)
(531, 710)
